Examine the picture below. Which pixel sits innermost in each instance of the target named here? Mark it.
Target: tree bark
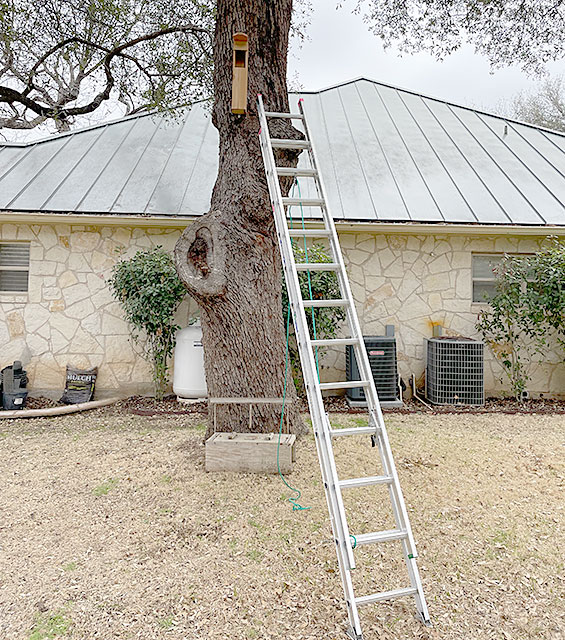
(229, 259)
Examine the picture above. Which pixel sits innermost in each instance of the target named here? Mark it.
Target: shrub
(150, 291)
(527, 312)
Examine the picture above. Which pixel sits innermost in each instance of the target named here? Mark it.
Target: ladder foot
(424, 619)
(353, 634)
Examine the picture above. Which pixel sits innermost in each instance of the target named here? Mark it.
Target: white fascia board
(377, 228)
(98, 220)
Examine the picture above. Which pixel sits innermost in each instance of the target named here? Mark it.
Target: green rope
(296, 506)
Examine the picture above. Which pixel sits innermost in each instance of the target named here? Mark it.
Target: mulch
(146, 406)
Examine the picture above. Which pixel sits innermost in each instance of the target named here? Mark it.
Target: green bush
(150, 291)
(527, 312)
(324, 322)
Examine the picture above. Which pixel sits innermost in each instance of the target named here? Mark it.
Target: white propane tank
(189, 380)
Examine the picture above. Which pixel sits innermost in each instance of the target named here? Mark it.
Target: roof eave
(344, 226)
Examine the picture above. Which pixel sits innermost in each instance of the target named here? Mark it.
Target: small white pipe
(415, 394)
(58, 411)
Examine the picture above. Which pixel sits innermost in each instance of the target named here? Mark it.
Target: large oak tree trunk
(229, 259)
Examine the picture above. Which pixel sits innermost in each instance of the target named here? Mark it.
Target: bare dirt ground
(111, 529)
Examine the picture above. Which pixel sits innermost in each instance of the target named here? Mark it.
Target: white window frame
(26, 268)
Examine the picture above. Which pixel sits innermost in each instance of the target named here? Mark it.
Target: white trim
(377, 228)
(98, 220)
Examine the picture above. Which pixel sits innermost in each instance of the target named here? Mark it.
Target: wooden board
(249, 452)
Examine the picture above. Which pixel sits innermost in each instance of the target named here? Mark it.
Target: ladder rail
(323, 431)
(315, 400)
(362, 358)
(336, 509)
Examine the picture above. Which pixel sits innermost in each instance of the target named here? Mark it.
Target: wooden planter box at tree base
(249, 452)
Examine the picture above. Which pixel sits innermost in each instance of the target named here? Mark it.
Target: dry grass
(111, 529)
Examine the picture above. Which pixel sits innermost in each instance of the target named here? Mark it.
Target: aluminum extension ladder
(323, 431)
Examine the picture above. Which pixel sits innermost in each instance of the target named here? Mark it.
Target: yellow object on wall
(239, 84)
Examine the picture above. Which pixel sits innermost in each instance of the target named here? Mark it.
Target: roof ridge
(106, 123)
(430, 97)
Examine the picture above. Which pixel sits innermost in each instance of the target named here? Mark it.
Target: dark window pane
(14, 255)
(482, 291)
(13, 281)
(483, 266)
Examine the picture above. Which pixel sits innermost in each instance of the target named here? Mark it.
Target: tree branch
(10, 95)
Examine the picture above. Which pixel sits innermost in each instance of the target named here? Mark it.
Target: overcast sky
(340, 48)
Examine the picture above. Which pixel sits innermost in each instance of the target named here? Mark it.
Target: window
(14, 267)
(484, 279)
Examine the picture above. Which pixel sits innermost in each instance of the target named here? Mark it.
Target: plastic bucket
(15, 400)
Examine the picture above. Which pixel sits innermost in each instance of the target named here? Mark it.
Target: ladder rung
(350, 384)
(325, 303)
(317, 266)
(330, 342)
(381, 536)
(385, 595)
(353, 431)
(282, 114)
(282, 143)
(305, 202)
(296, 171)
(309, 233)
(364, 482)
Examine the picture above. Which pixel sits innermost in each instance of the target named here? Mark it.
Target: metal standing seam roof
(385, 154)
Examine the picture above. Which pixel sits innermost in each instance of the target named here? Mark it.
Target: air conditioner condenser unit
(381, 351)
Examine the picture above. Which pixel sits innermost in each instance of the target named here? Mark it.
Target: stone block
(118, 349)
(439, 265)
(8, 231)
(43, 268)
(67, 279)
(35, 315)
(80, 310)
(47, 236)
(84, 240)
(51, 293)
(15, 324)
(57, 254)
(37, 345)
(75, 293)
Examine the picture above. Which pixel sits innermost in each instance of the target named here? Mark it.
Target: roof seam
(410, 154)
(536, 177)
(537, 150)
(435, 99)
(357, 153)
(385, 157)
(496, 164)
(135, 165)
(166, 164)
(105, 166)
(38, 173)
(451, 178)
(185, 191)
(75, 165)
(334, 171)
(474, 171)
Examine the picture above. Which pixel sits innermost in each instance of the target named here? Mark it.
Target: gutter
(376, 227)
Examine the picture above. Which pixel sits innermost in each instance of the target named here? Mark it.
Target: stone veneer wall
(417, 281)
(68, 315)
